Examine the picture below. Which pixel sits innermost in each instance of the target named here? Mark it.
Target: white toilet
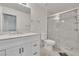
(49, 48)
(49, 44)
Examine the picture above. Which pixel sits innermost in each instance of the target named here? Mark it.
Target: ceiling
(17, 6)
(53, 8)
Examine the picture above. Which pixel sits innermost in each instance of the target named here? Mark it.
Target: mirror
(9, 22)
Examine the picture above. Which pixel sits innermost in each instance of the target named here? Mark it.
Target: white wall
(39, 19)
(23, 19)
(0, 18)
(52, 28)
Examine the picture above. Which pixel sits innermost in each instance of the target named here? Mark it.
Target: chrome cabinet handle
(19, 50)
(22, 49)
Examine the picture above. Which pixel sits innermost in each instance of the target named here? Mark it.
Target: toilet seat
(49, 42)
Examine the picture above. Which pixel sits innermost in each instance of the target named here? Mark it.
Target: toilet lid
(50, 42)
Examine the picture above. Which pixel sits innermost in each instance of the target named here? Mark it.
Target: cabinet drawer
(10, 42)
(36, 48)
(36, 44)
(36, 52)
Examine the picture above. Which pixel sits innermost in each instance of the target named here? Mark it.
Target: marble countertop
(7, 36)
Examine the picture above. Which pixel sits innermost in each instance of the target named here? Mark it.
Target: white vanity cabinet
(21, 46)
(20, 50)
(13, 51)
(26, 49)
(31, 48)
(2, 52)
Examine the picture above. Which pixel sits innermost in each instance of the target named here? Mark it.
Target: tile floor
(47, 52)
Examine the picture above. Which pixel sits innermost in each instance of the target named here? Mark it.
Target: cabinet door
(26, 49)
(13, 51)
(2, 53)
